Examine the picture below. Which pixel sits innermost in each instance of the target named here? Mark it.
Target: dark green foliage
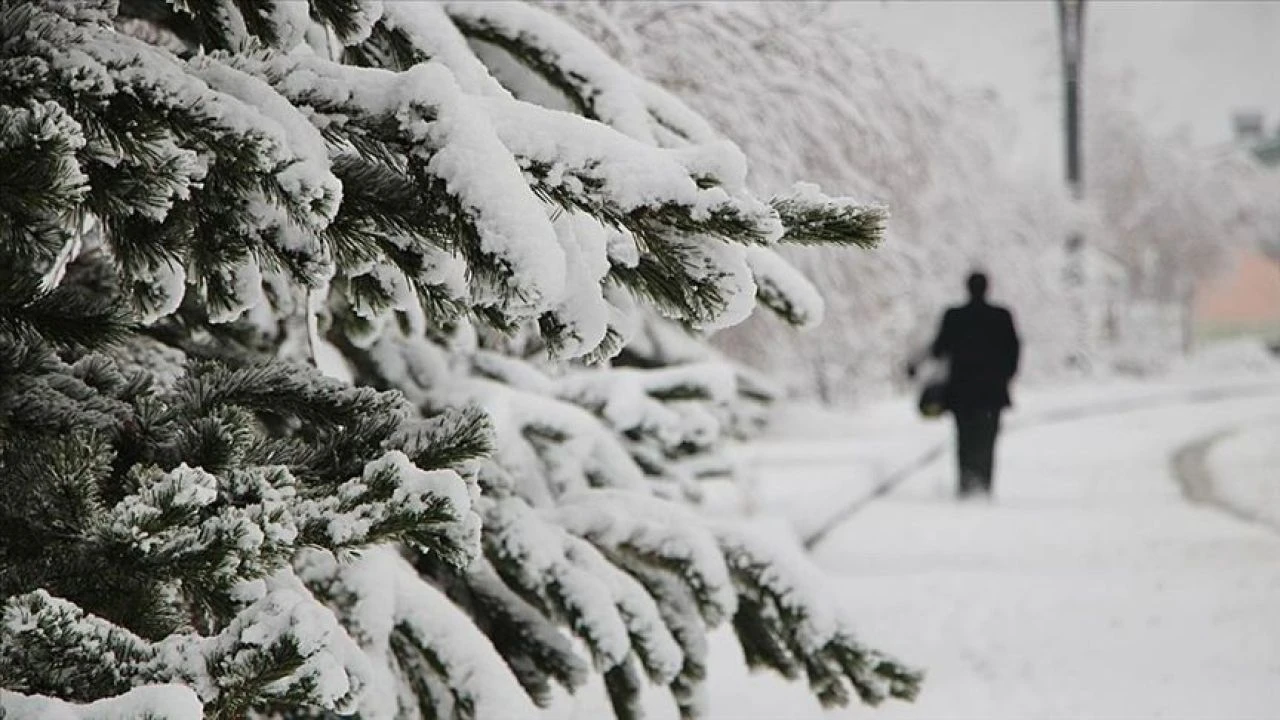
(810, 222)
(660, 278)
(49, 646)
(40, 182)
(769, 623)
(174, 477)
(385, 47)
(532, 646)
(65, 317)
(536, 57)
(161, 163)
(343, 16)
(99, 503)
(656, 225)
(624, 683)
(207, 24)
(446, 440)
(82, 671)
(79, 439)
(671, 272)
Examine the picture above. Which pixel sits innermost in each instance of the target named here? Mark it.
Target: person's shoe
(975, 495)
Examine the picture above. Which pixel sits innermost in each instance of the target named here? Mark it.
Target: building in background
(1245, 299)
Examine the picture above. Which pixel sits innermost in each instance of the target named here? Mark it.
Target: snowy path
(847, 461)
(1090, 588)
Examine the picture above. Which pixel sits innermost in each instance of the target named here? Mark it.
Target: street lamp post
(1071, 43)
(1071, 39)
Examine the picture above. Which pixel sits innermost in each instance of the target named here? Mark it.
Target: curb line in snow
(1196, 396)
(1189, 465)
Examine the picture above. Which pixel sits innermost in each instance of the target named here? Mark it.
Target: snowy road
(1089, 588)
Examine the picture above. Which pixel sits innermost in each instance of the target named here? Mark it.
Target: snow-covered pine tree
(202, 201)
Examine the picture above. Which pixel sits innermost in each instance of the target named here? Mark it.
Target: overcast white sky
(1189, 63)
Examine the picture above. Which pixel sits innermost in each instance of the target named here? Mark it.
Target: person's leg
(966, 436)
(990, 428)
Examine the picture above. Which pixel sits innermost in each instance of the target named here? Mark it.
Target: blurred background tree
(805, 91)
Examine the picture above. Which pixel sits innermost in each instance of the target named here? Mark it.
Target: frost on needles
(348, 365)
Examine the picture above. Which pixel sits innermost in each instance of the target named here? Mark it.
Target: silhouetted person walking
(981, 347)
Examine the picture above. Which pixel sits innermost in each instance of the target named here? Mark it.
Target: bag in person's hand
(933, 399)
(931, 376)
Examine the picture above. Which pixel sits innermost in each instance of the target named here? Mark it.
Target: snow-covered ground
(817, 462)
(1090, 588)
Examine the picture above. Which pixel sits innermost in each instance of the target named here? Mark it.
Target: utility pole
(1071, 44)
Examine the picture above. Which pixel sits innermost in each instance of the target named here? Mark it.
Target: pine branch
(625, 686)
(65, 317)
(782, 628)
(386, 47)
(662, 277)
(681, 614)
(167, 157)
(41, 183)
(529, 642)
(525, 49)
(430, 204)
(587, 190)
(811, 218)
(446, 440)
(347, 18)
(550, 581)
(283, 390)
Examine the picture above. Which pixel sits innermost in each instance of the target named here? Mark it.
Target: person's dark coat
(981, 346)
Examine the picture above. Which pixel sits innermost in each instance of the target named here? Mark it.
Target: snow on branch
(601, 89)
(412, 33)
(555, 447)
(352, 176)
(416, 638)
(160, 702)
(533, 645)
(784, 289)
(395, 500)
(812, 218)
(443, 143)
(536, 558)
(783, 622)
(651, 640)
(146, 180)
(581, 164)
(668, 417)
(661, 533)
(284, 647)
